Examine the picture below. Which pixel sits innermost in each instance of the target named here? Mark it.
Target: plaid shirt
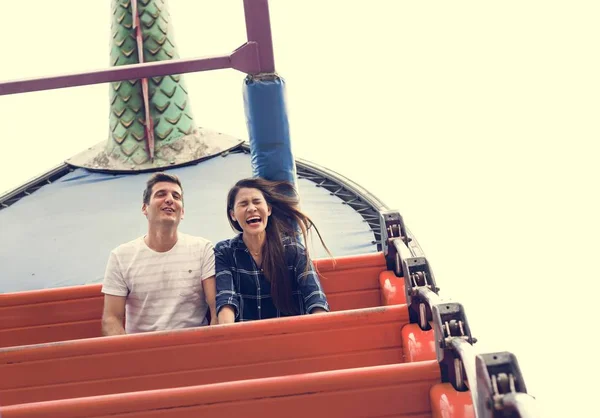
(243, 286)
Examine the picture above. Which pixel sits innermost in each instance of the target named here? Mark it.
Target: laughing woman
(264, 272)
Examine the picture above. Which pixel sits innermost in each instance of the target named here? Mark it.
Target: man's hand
(113, 315)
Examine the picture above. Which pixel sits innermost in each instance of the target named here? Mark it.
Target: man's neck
(254, 243)
(161, 239)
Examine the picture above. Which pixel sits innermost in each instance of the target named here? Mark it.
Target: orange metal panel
(200, 376)
(417, 345)
(238, 351)
(47, 313)
(48, 295)
(47, 333)
(74, 312)
(354, 300)
(308, 323)
(347, 280)
(392, 288)
(351, 262)
(446, 402)
(393, 390)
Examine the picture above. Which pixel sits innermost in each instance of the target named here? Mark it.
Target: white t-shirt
(163, 290)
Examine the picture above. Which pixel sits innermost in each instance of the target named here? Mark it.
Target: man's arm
(113, 315)
(210, 293)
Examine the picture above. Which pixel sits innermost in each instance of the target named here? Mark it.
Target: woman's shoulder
(293, 244)
(229, 243)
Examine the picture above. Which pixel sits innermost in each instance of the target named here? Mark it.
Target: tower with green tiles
(151, 125)
(146, 115)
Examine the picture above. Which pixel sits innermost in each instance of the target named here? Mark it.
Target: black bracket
(501, 387)
(450, 323)
(392, 227)
(485, 375)
(420, 287)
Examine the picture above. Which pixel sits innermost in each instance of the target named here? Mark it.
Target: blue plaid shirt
(243, 286)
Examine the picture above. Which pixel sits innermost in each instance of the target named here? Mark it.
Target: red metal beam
(124, 72)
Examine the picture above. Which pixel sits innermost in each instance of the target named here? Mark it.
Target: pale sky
(477, 120)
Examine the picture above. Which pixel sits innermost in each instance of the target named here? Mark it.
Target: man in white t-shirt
(165, 279)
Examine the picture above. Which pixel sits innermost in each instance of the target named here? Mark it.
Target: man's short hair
(157, 178)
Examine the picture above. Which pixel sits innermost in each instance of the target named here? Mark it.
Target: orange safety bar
(392, 288)
(418, 345)
(72, 313)
(283, 346)
(399, 390)
(447, 402)
(352, 283)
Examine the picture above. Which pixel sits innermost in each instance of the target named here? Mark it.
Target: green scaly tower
(151, 124)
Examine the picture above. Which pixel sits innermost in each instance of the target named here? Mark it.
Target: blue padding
(268, 129)
(61, 235)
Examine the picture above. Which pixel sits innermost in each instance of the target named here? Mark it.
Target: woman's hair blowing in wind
(285, 219)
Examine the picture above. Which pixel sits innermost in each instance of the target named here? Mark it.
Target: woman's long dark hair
(284, 220)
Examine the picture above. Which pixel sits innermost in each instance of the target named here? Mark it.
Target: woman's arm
(226, 315)
(318, 310)
(315, 300)
(227, 300)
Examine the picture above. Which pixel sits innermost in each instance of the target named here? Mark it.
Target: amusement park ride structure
(391, 347)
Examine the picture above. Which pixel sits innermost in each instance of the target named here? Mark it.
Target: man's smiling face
(166, 204)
